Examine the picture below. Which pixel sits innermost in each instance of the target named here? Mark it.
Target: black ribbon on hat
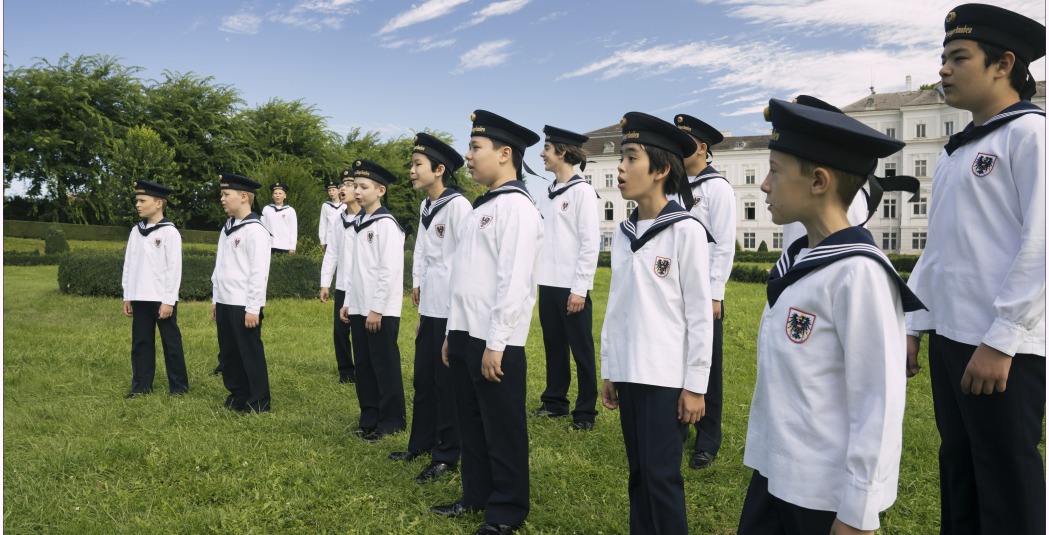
(879, 185)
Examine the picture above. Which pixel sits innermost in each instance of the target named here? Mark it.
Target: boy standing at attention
(281, 221)
(714, 205)
(983, 277)
(330, 211)
(374, 286)
(151, 279)
(492, 294)
(338, 257)
(826, 423)
(242, 270)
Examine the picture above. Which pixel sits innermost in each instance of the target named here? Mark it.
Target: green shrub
(55, 241)
(904, 263)
(749, 273)
(604, 259)
(757, 257)
(763, 247)
(31, 259)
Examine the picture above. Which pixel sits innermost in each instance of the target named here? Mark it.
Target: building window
(920, 207)
(888, 241)
(948, 128)
(748, 240)
(606, 240)
(750, 176)
(589, 179)
(891, 132)
(919, 130)
(890, 169)
(888, 209)
(610, 211)
(918, 241)
(630, 207)
(921, 167)
(777, 240)
(608, 180)
(749, 211)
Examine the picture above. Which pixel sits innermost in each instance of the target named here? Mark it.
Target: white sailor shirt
(337, 257)
(242, 264)
(283, 224)
(153, 263)
(568, 258)
(826, 420)
(983, 270)
(329, 216)
(714, 205)
(493, 284)
(658, 327)
(435, 247)
(375, 278)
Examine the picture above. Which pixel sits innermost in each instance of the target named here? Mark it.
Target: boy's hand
(415, 296)
(575, 303)
(127, 308)
(987, 371)
(373, 322)
(609, 397)
(841, 528)
(492, 365)
(913, 366)
(324, 295)
(717, 309)
(690, 407)
(165, 311)
(444, 353)
(344, 314)
(251, 320)
(213, 315)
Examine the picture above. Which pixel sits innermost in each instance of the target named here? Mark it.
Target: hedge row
(38, 230)
(31, 259)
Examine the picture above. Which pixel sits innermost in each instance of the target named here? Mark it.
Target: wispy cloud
(487, 54)
(553, 16)
(143, 3)
(314, 15)
(495, 9)
(419, 45)
(243, 23)
(428, 10)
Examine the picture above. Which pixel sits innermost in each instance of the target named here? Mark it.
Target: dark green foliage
(748, 273)
(31, 259)
(757, 257)
(55, 241)
(36, 229)
(604, 259)
(738, 246)
(904, 263)
(409, 260)
(293, 277)
(95, 273)
(763, 247)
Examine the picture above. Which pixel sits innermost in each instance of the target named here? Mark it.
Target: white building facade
(919, 118)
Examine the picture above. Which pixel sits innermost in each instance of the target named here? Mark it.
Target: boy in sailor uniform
(151, 279)
(281, 221)
(714, 205)
(983, 277)
(372, 306)
(337, 261)
(567, 264)
(655, 342)
(330, 211)
(435, 427)
(492, 295)
(242, 270)
(826, 422)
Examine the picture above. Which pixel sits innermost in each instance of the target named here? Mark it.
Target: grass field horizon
(80, 458)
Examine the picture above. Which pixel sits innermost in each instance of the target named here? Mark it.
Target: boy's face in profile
(786, 189)
(421, 172)
(482, 160)
(148, 206)
(963, 76)
(233, 201)
(368, 192)
(346, 191)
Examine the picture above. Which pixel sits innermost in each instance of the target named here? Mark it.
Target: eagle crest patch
(440, 230)
(156, 242)
(371, 235)
(799, 325)
(696, 199)
(486, 220)
(236, 242)
(983, 164)
(564, 206)
(662, 266)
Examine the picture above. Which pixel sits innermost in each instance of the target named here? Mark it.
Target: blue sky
(395, 67)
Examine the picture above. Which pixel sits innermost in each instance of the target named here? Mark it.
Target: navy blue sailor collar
(230, 228)
(574, 181)
(852, 241)
(360, 223)
(708, 173)
(333, 205)
(430, 209)
(146, 231)
(670, 214)
(280, 208)
(972, 133)
(347, 219)
(513, 186)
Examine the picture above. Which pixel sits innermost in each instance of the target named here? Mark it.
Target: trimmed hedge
(98, 273)
(38, 230)
(31, 259)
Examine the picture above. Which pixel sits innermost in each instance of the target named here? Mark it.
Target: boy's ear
(506, 154)
(822, 181)
(1006, 64)
(662, 174)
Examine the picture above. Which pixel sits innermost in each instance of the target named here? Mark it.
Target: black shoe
(403, 456)
(582, 426)
(453, 510)
(543, 412)
(374, 436)
(432, 472)
(134, 395)
(494, 529)
(702, 459)
(363, 431)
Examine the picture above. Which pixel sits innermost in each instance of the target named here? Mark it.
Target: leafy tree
(279, 128)
(139, 155)
(306, 194)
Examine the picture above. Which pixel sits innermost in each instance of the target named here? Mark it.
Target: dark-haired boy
(826, 423)
(151, 279)
(983, 277)
(492, 294)
(242, 270)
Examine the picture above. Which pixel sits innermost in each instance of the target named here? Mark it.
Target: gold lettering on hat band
(685, 128)
(224, 184)
(960, 29)
(478, 129)
(632, 135)
(361, 172)
(774, 136)
(419, 148)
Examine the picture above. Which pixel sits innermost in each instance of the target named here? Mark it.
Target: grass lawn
(80, 458)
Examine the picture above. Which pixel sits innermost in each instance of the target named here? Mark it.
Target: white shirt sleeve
(695, 286)
(173, 258)
(419, 256)
(391, 245)
(124, 277)
(330, 262)
(519, 234)
(323, 223)
(722, 211)
(259, 252)
(589, 243)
